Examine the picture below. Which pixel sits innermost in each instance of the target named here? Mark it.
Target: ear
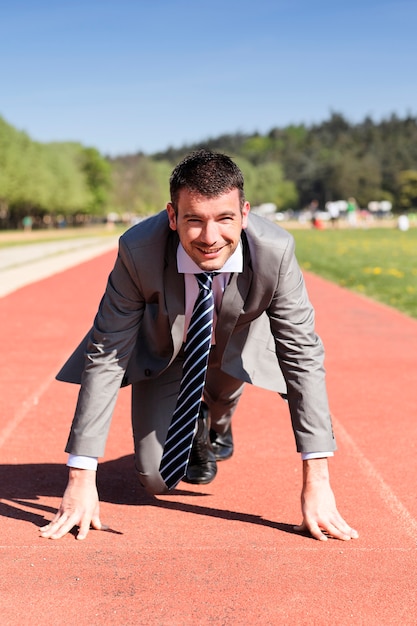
(245, 213)
(171, 217)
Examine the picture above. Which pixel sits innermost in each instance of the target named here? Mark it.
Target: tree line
(49, 183)
(290, 167)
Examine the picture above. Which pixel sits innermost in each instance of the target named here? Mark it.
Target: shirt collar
(186, 265)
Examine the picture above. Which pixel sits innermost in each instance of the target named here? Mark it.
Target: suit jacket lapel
(174, 295)
(233, 302)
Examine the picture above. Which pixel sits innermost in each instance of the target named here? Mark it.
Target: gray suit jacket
(265, 331)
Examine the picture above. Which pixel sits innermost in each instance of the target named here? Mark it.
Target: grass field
(380, 263)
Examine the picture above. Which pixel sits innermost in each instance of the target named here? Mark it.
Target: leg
(221, 394)
(153, 404)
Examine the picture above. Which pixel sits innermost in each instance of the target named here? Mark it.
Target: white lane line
(378, 483)
(26, 406)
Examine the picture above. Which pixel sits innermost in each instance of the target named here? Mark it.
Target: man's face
(209, 228)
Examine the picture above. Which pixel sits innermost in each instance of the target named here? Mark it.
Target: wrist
(315, 470)
(84, 475)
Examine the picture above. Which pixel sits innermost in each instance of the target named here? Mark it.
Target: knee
(153, 483)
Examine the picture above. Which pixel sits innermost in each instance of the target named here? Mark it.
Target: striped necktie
(196, 351)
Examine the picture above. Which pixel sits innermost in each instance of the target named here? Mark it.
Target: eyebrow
(229, 213)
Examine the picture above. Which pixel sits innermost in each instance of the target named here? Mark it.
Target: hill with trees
(290, 167)
(331, 161)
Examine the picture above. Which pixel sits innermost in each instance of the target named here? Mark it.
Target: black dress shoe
(202, 467)
(222, 445)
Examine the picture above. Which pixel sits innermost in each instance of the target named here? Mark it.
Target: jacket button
(148, 372)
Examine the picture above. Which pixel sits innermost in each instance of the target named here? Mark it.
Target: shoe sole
(198, 482)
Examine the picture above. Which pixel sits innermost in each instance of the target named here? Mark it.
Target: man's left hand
(320, 515)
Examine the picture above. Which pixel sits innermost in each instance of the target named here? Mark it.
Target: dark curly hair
(208, 174)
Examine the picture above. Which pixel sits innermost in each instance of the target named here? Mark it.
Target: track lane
(228, 547)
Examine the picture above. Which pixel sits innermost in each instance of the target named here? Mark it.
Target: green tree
(408, 189)
(140, 184)
(270, 186)
(98, 179)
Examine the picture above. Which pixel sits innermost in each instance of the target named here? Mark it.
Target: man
(263, 334)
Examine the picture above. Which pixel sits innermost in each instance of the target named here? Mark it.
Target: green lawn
(378, 262)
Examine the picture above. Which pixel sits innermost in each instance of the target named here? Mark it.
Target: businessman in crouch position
(261, 332)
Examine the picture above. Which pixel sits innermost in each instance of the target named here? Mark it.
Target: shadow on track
(25, 485)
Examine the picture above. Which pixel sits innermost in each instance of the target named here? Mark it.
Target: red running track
(225, 553)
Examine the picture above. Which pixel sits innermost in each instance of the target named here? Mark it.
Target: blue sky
(142, 75)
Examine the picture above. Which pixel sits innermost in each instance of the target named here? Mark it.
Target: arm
(320, 515)
(111, 343)
(301, 357)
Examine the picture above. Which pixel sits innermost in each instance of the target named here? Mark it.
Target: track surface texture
(224, 553)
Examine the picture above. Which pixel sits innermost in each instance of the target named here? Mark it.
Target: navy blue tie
(196, 351)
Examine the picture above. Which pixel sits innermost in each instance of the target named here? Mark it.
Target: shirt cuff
(306, 456)
(82, 462)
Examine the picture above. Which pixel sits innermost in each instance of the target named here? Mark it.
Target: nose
(209, 234)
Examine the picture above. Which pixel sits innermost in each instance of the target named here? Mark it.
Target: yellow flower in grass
(393, 271)
(377, 271)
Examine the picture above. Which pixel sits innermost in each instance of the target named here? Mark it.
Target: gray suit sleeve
(301, 357)
(109, 348)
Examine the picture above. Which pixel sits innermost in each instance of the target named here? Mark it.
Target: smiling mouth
(210, 250)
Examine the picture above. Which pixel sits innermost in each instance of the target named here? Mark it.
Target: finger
(342, 533)
(344, 527)
(44, 529)
(312, 529)
(50, 528)
(340, 529)
(83, 531)
(53, 520)
(90, 522)
(61, 527)
(301, 528)
(315, 531)
(86, 524)
(345, 533)
(95, 520)
(96, 524)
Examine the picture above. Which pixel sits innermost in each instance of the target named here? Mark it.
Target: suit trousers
(153, 404)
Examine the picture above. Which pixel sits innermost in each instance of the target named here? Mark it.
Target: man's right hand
(79, 506)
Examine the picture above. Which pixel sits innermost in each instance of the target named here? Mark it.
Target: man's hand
(320, 515)
(79, 506)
